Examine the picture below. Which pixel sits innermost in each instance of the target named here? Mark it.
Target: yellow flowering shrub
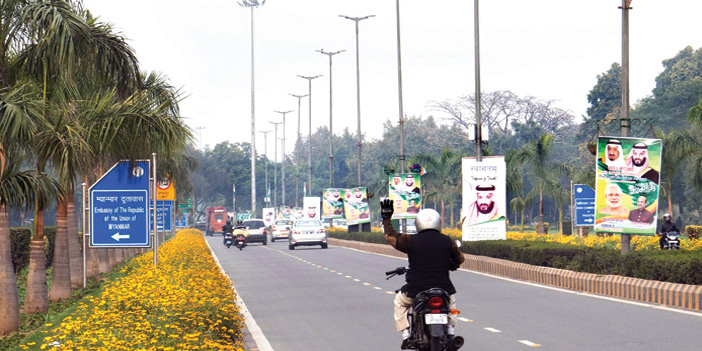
(638, 242)
(185, 303)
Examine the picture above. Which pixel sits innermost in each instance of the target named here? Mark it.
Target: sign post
(584, 205)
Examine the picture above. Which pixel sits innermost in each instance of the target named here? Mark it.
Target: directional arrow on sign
(589, 220)
(118, 236)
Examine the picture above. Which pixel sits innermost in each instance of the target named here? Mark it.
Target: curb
(642, 290)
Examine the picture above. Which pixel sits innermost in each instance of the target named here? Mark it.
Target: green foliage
(366, 237)
(693, 231)
(20, 239)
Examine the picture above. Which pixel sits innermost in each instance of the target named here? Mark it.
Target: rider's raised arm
(397, 240)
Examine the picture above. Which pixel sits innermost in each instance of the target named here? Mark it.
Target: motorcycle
(240, 241)
(428, 319)
(228, 240)
(671, 241)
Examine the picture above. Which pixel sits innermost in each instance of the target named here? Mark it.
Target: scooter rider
(431, 256)
(227, 228)
(667, 227)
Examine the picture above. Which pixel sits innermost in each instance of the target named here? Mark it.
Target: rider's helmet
(427, 219)
(666, 216)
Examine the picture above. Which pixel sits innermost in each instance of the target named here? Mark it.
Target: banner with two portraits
(627, 185)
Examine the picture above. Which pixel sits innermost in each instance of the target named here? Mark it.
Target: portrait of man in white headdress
(638, 162)
(484, 208)
(614, 156)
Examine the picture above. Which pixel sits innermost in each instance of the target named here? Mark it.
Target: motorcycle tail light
(436, 302)
(435, 311)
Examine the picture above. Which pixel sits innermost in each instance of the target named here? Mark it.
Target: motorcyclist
(240, 228)
(431, 256)
(226, 228)
(667, 227)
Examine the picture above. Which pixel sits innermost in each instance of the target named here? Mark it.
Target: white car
(307, 232)
(281, 229)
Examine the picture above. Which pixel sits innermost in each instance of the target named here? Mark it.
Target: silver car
(281, 229)
(307, 232)
(257, 231)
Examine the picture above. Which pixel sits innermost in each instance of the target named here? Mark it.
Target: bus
(216, 218)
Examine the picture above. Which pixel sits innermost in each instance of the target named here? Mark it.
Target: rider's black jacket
(668, 226)
(431, 255)
(227, 228)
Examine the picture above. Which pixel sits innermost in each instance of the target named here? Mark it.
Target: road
(338, 299)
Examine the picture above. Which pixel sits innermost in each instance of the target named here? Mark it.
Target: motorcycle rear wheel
(435, 343)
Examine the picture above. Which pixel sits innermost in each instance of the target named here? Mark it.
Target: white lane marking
(390, 292)
(348, 276)
(256, 332)
(613, 299)
(493, 330)
(529, 343)
(339, 273)
(357, 280)
(464, 319)
(377, 288)
(367, 284)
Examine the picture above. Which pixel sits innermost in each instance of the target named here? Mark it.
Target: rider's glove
(386, 208)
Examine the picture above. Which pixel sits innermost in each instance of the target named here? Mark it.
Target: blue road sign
(119, 207)
(584, 205)
(163, 209)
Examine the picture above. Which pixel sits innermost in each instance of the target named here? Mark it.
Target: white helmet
(427, 219)
(666, 215)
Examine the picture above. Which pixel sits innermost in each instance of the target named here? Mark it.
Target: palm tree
(515, 185)
(442, 178)
(542, 172)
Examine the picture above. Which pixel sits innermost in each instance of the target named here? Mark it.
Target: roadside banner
(311, 207)
(484, 199)
(268, 216)
(297, 213)
(284, 212)
(405, 191)
(627, 185)
(333, 203)
(356, 207)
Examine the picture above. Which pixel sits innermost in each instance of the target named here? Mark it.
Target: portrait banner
(356, 209)
(311, 206)
(284, 212)
(627, 185)
(405, 191)
(297, 213)
(484, 199)
(333, 203)
(268, 216)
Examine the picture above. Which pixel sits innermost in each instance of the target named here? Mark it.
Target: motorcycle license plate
(440, 318)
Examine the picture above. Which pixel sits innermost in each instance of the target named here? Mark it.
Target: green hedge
(20, 238)
(670, 266)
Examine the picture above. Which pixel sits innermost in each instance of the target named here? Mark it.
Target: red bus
(216, 218)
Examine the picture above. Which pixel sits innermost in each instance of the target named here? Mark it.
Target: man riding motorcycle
(431, 256)
(667, 227)
(227, 228)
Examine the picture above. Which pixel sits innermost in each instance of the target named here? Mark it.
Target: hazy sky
(550, 49)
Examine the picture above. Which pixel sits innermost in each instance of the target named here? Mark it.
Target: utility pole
(624, 120)
(265, 167)
(297, 155)
(331, 134)
(478, 107)
(283, 163)
(358, 89)
(275, 164)
(309, 141)
(403, 222)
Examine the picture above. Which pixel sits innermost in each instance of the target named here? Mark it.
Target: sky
(549, 49)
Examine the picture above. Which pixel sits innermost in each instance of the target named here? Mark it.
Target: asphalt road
(338, 299)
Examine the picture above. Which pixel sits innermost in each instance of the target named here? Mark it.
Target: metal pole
(153, 199)
(358, 91)
(625, 121)
(331, 133)
(478, 107)
(297, 154)
(265, 167)
(309, 141)
(85, 238)
(403, 226)
(275, 164)
(283, 163)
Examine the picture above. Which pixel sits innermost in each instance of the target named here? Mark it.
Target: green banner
(626, 195)
(405, 191)
(356, 207)
(333, 203)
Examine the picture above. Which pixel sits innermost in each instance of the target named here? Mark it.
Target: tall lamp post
(309, 141)
(252, 4)
(478, 102)
(283, 163)
(331, 134)
(265, 167)
(297, 155)
(275, 164)
(403, 222)
(358, 88)
(624, 120)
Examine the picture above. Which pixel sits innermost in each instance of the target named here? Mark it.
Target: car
(202, 225)
(257, 231)
(281, 229)
(411, 228)
(307, 232)
(340, 223)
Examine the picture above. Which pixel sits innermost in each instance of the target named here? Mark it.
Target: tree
(442, 178)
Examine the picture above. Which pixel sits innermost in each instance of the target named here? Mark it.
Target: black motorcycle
(240, 241)
(428, 319)
(671, 241)
(228, 239)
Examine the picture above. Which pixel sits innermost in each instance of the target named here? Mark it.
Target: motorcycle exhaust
(455, 344)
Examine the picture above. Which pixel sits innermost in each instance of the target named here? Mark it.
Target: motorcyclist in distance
(666, 227)
(431, 256)
(227, 228)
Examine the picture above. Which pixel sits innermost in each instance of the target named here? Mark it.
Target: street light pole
(624, 120)
(252, 4)
(309, 141)
(275, 165)
(331, 134)
(478, 102)
(265, 152)
(358, 90)
(297, 155)
(283, 163)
